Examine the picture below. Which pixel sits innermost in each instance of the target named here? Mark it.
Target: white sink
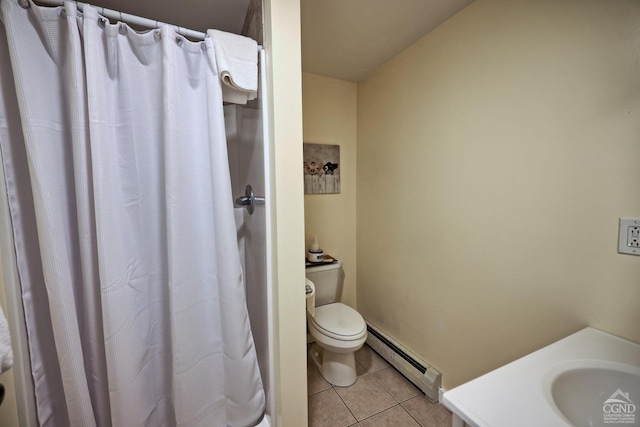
(596, 392)
(589, 378)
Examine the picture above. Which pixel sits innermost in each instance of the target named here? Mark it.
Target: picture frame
(321, 168)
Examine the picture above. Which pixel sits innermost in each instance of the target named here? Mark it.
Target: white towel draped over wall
(237, 60)
(115, 158)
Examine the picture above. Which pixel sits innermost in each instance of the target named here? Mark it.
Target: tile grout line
(370, 373)
(345, 405)
(382, 386)
(392, 395)
(420, 393)
(411, 415)
(378, 413)
(372, 415)
(397, 400)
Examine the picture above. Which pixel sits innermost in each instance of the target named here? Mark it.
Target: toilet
(338, 330)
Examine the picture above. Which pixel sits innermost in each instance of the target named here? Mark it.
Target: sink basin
(590, 378)
(596, 393)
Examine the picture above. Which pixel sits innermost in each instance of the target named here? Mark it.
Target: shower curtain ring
(25, 4)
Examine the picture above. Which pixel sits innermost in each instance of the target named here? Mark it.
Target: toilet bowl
(338, 330)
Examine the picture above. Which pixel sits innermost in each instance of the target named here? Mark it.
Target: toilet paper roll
(310, 289)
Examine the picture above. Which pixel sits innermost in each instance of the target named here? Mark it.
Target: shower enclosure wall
(248, 157)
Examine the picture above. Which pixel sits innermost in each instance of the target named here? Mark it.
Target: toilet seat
(339, 321)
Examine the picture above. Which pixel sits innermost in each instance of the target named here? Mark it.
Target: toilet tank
(328, 280)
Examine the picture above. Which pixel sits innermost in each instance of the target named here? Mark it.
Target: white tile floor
(380, 397)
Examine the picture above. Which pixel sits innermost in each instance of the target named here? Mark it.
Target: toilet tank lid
(324, 267)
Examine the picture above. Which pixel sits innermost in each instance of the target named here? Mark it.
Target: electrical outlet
(632, 237)
(629, 236)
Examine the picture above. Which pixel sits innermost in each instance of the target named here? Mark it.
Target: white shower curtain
(115, 159)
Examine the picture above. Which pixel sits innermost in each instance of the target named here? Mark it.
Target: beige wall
(329, 117)
(494, 159)
(282, 44)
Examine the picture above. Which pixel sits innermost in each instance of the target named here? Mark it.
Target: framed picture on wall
(321, 168)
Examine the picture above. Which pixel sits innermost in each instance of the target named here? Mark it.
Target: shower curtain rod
(126, 17)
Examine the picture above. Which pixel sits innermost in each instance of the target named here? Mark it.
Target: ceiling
(349, 39)
(343, 39)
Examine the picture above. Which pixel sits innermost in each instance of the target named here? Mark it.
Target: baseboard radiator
(423, 376)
